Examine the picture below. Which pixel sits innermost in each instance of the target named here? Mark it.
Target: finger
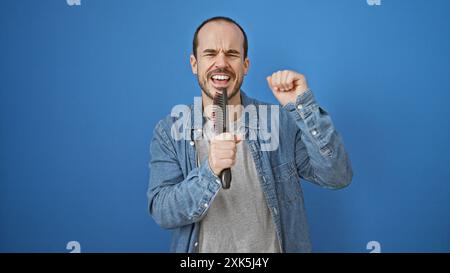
(224, 136)
(270, 81)
(284, 83)
(224, 144)
(276, 80)
(225, 154)
(229, 146)
(280, 79)
(226, 163)
(290, 81)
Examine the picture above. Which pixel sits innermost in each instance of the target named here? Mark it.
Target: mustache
(223, 71)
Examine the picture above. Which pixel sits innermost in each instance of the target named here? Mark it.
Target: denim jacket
(309, 148)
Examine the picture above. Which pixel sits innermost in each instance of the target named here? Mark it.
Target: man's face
(220, 58)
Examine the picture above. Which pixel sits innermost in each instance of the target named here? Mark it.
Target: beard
(203, 85)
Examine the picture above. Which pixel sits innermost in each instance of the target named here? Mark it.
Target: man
(263, 210)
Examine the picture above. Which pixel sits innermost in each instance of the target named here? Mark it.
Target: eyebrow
(230, 51)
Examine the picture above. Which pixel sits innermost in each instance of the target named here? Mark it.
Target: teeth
(221, 77)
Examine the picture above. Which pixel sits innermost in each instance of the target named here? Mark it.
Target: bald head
(220, 26)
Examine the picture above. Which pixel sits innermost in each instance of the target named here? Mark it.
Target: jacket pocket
(287, 183)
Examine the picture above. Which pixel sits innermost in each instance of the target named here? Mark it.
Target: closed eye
(230, 53)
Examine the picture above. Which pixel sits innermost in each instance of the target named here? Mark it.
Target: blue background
(83, 86)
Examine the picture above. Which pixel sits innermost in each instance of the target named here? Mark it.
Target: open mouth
(220, 80)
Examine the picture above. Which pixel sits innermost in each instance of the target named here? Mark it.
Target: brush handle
(225, 176)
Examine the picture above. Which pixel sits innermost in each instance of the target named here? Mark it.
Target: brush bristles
(219, 112)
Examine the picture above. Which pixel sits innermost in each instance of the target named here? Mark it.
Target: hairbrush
(219, 116)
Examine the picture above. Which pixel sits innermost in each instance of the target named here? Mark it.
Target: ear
(193, 62)
(246, 65)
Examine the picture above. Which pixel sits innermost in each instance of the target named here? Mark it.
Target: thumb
(269, 81)
(237, 138)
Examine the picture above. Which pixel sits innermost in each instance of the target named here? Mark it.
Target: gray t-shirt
(238, 220)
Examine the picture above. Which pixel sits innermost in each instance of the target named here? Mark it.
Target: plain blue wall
(83, 86)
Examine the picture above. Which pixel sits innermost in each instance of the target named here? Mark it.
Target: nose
(221, 60)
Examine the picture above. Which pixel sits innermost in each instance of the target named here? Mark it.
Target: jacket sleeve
(175, 200)
(319, 151)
